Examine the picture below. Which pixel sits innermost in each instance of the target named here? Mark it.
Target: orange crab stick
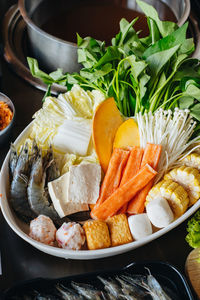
(113, 175)
(151, 156)
(132, 167)
(123, 194)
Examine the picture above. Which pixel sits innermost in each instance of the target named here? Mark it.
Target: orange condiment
(5, 115)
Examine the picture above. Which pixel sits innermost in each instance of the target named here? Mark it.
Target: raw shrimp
(87, 291)
(12, 161)
(67, 293)
(131, 290)
(53, 171)
(110, 286)
(37, 196)
(18, 190)
(155, 289)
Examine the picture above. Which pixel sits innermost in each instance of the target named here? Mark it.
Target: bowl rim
(29, 22)
(80, 254)
(7, 100)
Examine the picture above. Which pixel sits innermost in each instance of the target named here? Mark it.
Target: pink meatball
(70, 236)
(43, 230)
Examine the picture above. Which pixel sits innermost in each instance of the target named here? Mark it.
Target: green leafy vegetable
(165, 27)
(142, 74)
(193, 229)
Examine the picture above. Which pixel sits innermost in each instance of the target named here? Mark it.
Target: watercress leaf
(135, 48)
(36, 72)
(79, 40)
(48, 93)
(185, 102)
(125, 28)
(136, 66)
(142, 84)
(146, 41)
(82, 57)
(162, 80)
(57, 75)
(165, 27)
(187, 47)
(157, 60)
(193, 91)
(195, 111)
(112, 54)
(133, 82)
(154, 35)
(132, 102)
(178, 61)
(192, 81)
(186, 80)
(71, 79)
(186, 69)
(128, 38)
(116, 40)
(176, 38)
(87, 58)
(96, 74)
(95, 45)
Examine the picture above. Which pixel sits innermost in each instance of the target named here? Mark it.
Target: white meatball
(159, 212)
(43, 230)
(70, 236)
(140, 226)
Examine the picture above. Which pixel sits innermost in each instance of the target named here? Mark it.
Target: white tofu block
(58, 193)
(159, 212)
(84, 183)
(140, 226)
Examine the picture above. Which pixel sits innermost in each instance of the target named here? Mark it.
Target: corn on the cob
(189, 178)
(174, 193)
(192, 160)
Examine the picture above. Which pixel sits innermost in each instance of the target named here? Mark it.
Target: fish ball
(140, 226)
(43, 230)
(70, 236)
(159, 212)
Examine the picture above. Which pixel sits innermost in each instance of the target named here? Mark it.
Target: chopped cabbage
(77, 105)
(72, 159)
(73, 136)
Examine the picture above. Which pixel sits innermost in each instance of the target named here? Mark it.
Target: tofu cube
(119, 230)
(97, 234)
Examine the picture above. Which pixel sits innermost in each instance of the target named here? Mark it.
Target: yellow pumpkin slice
(106, 121)
(127, 135)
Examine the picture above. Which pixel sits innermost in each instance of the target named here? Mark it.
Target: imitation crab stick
(132, 167)
(151, 156)
(124, 193)
(113, 175)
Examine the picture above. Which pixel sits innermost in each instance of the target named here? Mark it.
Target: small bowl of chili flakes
(7, 114)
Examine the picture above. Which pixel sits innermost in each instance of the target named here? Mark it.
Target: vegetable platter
(114, 162)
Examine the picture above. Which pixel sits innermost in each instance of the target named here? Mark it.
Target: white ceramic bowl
(22, 229)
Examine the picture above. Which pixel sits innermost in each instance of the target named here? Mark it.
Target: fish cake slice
(97, 234)
(119, 230)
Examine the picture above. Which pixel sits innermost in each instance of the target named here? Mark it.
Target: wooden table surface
(21, 261)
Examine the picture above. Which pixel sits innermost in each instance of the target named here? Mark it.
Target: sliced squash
(127, 135)
(106, 121)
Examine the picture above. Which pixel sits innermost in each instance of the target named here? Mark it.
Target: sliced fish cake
(174, 193)
(189, 179)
